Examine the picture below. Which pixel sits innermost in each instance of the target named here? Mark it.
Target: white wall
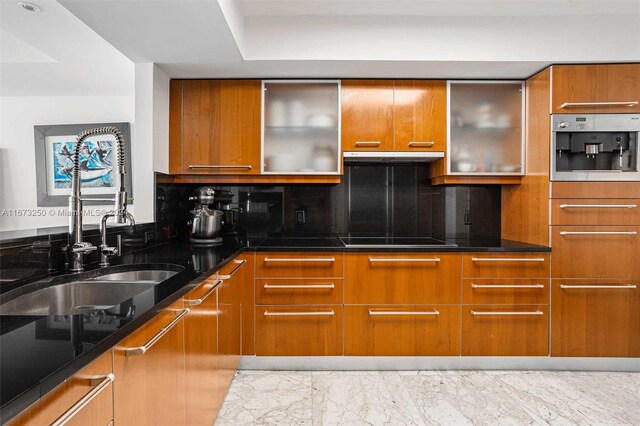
(18, 115)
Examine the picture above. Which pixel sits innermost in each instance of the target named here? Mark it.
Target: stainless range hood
(391, 156)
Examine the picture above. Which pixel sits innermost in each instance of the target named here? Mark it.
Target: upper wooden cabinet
(215, 127)
(367, 115)
(595, 88)
(420, 115)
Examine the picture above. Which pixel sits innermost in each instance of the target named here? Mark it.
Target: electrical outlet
(301, 217)
(467, 217)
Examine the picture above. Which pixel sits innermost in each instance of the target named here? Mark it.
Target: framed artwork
(98, 171)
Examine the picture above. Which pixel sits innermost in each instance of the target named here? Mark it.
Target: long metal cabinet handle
(299, 286)
(404, 259)
(578, 104)
(305, 259)
(434, 312)
(625, 286)
(295, 314)
(215, 166)
(75, 408)
(370, 143)
(507, 313)
(507, 285)
(230, 274)
(507, 259)
(209, 292)
(420, 144)
(598, 233)
(598, 206)
(140, 350)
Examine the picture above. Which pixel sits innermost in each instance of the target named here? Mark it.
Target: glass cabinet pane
(485, 128)
(301, 123)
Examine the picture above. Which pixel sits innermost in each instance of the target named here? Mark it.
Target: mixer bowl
(207, 226)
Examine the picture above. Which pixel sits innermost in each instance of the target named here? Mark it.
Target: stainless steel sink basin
(83, 295)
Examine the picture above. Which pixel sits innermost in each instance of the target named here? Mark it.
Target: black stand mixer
(206, 222)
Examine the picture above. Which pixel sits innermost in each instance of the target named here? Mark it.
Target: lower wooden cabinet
(150, 370)
(505, 291)
(85, 399)
(402, 330)
(597, 318)
(505, 330)
(299, 330)
(229, 321)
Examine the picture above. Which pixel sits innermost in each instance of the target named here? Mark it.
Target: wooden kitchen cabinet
(93, 384)
(401, 330)
(509, 291)
(402, 278)
(506, 265)
(595, 318)
(299, 265)
(367, 115)
(308, 291)
(595, 211)
(150, 367)
(219, 122)
(230, 318)
(247, 303)
(589, 89)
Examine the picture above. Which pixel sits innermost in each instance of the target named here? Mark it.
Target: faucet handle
(109, 251)
(83, 248)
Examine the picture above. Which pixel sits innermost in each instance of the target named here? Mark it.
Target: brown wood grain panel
(381, 278)
(298, 335)
(595, 322)
(230, 323)
(51, 406)
(505, 265)
(525, 207)
(246, 276)
(595, 190)
(475, 180)
(502, 291)
(299, 265)
(595, 256)
(279, 291)
(615, 211)
(516, 334)
(367, 114)
(596, 83)
(401, 334)
(175, 126)
(162, 367)
(267, 179)
(420, 115)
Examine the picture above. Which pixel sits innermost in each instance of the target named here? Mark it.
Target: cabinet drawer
(595, 190)
(505, 291)
(402, 278)
(298, 330)
(298, 291)
(595, 318)
(91, 385)
(595, 251)
(299, 265)
(402, 330)
(595, 211)
(506, 265)
(499, 330)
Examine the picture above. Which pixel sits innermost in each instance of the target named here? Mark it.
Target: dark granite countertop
(38, 353)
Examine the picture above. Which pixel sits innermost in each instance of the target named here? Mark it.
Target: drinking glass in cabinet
(485, 128)
(301, 127)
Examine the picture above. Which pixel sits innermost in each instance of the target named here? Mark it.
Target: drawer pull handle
(507, 285)
(140, 350)
(507, 313)
(306, 259)
(75, 409)
(196, 302)
(403, 259)
(369, 143)
(624, 286)
(598, 206)
(579, 104)
(507, 259)
(434, 312)
(421, 144)
(298, 314)
(299, 286)
(598, 233)
(215, 166)
(237, 262)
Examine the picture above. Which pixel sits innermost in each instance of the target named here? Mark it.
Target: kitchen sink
(75, 295)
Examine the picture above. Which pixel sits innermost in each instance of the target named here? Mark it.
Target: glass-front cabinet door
(486, 128)
(301, 127)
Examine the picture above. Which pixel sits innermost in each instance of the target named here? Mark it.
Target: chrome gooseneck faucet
(77, 247)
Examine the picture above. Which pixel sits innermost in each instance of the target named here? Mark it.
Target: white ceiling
(53, 53)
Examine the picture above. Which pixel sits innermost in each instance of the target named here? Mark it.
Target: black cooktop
(387, 241)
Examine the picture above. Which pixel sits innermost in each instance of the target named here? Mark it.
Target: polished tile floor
(432, 398)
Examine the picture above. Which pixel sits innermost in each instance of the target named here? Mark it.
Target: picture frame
(53, 156)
